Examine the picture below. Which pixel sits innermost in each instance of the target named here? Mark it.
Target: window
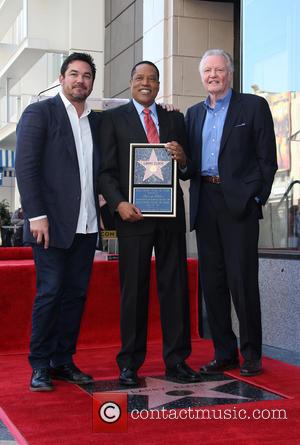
(270, 68)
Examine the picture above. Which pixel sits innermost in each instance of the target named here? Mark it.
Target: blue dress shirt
(212, 134)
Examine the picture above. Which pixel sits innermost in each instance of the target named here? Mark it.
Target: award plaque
(152, 180)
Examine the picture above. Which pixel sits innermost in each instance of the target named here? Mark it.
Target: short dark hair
(84, 57)
(144, 62)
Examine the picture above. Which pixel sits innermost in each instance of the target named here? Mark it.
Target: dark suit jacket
(120, 127)
(247, 159)
(47, 168)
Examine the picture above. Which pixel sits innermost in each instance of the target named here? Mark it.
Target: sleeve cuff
(36, 218)
(183, 170)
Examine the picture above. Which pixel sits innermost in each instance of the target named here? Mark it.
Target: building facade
(35, 36)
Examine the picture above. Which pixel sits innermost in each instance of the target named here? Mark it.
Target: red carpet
(64, 417)
(15, 253)
(100, 324)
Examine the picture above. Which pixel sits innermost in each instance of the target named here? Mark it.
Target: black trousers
(228, 266)
(171, 270)
(62, 280)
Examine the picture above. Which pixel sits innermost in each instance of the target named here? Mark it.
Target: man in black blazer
(57, 160)
(138, 235)
(233, 149)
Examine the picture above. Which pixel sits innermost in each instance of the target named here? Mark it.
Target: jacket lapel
(64, 125)
(134, 124)
(233, 114)
(137, 131)
(199, 122)
(196, 123)
(95, 122)
(163, 124)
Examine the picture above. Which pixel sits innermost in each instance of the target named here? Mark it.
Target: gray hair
(217, 52)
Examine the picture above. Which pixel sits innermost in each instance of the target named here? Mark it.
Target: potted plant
(4, 221)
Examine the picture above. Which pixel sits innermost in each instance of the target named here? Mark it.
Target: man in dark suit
(57, 160)
(233, 148)
(138, 235)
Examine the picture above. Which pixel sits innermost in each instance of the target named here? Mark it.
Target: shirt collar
(140, 108)
(68, 104)
(223, 102)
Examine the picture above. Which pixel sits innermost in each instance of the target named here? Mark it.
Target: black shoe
(251, 368)
(219, 366)
(128, 377)
(70, 373)
(183, 373)
(40, 380)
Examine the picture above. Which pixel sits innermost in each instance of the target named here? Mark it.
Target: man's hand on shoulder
(168, 107)
(177, 153)
(40, 231)
(129, 212)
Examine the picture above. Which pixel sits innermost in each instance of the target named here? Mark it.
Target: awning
(7, 158)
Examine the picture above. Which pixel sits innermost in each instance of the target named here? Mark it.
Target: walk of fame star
(153, 166)
(161, 392)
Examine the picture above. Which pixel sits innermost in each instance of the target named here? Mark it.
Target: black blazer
(47, 168)
(121, 127)
(247, 160)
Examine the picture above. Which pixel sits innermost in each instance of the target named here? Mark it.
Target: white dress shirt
(87, 220)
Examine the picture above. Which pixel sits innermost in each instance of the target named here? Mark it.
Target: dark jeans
(62, 279)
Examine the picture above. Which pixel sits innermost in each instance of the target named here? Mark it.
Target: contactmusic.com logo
(109, 412)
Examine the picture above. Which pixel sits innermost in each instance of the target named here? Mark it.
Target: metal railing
(280, 228)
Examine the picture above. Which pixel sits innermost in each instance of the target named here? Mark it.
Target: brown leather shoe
(251, 368)
(219, 366)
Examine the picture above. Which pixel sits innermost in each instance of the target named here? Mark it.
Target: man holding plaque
(232, 143)
(142, 122)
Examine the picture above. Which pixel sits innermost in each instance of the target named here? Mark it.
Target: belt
(211, 179)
